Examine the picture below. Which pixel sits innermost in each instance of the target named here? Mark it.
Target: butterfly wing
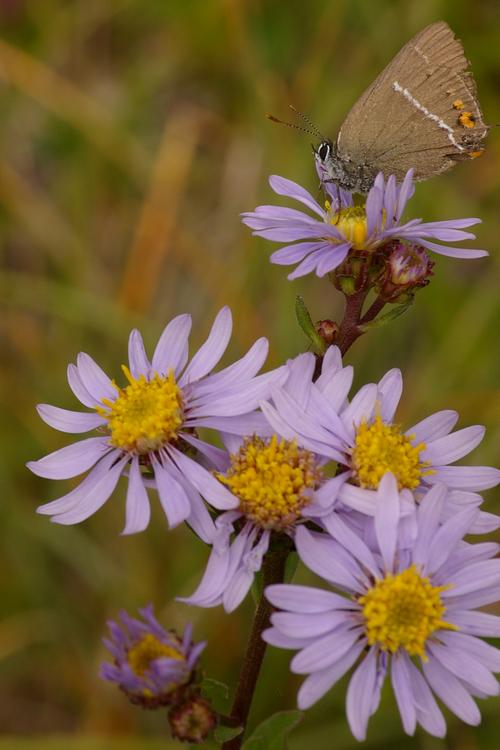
(420, 112)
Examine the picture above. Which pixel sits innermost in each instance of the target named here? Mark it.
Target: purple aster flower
(322, 241)
(322, 419)
(392, 608)
(148, 427)
(278, 485)
(153, 666)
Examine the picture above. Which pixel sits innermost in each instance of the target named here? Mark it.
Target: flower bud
(358, 271)
(406, 268)
(328, 331)
(192, 720)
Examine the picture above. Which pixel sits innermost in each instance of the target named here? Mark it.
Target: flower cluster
(377, 510)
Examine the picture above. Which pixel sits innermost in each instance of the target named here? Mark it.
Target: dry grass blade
(40, 219)
(220, 287)
(159, 211)
(63, 98)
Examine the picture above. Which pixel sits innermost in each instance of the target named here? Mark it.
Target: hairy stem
(349, 329)
(273, 571)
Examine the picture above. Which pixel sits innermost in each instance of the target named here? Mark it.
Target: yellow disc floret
(145, 651)
(273, 480)
(352, 223)
(381, 447)
(146, 415)
(403, 611)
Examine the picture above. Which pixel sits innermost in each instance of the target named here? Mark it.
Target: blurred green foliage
(133, 134)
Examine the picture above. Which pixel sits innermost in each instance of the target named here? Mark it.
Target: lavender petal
(71, 460)
(69, 421)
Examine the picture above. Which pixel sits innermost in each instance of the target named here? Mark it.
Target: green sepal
(273, 732)
(305, 322)
(347, 285)
(216, 693)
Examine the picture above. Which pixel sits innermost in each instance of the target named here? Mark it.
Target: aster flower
(148, 427)
(278, 485)
(390, 609)
(154, 667)
(322, 241)
(322, 419)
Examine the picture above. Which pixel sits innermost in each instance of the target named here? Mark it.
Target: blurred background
(133, 134)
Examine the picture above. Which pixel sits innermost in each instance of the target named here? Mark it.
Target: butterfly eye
(324, 151)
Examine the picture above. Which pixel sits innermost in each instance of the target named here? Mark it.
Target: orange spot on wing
(475, 154)
(458, 104)
(467, 120)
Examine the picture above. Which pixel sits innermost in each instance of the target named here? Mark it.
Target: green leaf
(291, 566)
(223, 734)
(382, 320)
(305, 322)
(214, 691)
(257, 587)
(273, 732)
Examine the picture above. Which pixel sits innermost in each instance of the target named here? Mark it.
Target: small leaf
(305, 322)
(273, 732)
(291, 566)
(223, 734)
(382, 320)
(214, 691)
(257, 587)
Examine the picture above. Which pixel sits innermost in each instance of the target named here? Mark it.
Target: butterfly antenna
(315, 130)
(292, 125)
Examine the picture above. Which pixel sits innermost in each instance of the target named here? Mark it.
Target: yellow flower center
(352, 223)
(403, 611)
(145, 651)
(147, 413)
(273, 480)
(381, 447)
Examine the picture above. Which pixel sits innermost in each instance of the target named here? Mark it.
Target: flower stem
(349, 328)
(373, 310)
(273, 571)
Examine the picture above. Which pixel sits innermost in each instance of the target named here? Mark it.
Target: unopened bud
(358, 271)
(407, 267)
(192, 720)
(328, 330)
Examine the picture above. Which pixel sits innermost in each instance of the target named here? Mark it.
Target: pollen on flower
(273, 480)
(381, 447)
(403, 611)
(352, 223)
(146, 415)
(145, 651)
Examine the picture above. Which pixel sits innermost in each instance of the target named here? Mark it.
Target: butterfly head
(324, 151)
